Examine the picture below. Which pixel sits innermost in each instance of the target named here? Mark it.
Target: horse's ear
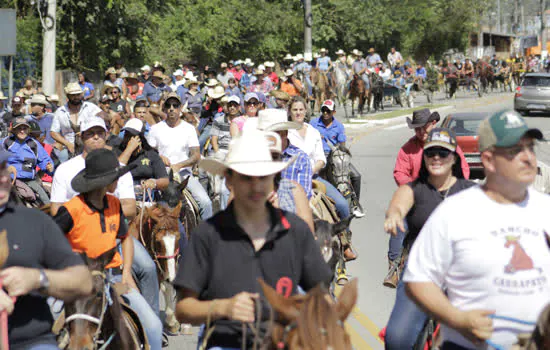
(176, 210)
(347, 300)
(285, 307)
(183, 184)
(171, 175)
(104, 259)
(342, 225)
(151, 213)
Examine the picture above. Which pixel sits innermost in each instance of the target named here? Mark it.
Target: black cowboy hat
(102, 169)
(422, 117)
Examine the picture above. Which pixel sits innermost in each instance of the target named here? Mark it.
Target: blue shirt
(154, 93)
(87, 88)
(245, 80)
(421, 72)
(45, 124)
(335, 132)
(181, 90)
(323, 63)
(194, 103)
(300, 170)
(23, 158)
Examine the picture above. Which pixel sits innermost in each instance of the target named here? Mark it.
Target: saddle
(318, 186)
(24, 191)
(189, 198)
(132, 318)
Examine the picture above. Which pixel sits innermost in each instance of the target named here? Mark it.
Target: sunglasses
(252, 103)
(441, 152)
(513, 151)
(173, 104)
(233, 104)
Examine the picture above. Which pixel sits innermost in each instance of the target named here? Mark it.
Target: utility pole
(48, 8)
(516, 16)
(544, 51)
(308, 23)
(499, 28)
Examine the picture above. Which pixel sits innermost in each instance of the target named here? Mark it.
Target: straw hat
(54, 98)
(38, 99)
(356, 52)
(190, 75)
(288, 57)
(110, 70)
(275, 120)
(132, 78)
(73, 89)
(323, 50)
(340, 52)
(269, 64)
(316, 55)
(212, 82)
(216, 92)
(158, 74)
(280, 95)
(145, 68)
(189, 81)
(299, 57)
(248, 154)
(2, 96)
(258, 71)
(289, 72)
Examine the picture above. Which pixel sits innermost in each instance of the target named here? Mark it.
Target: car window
(464, 127)
(536, 81)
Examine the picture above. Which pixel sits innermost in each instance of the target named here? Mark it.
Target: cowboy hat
(73, 89)
(190, 75)
(54, 98)
(288, 57)
(258, 71)
(145, 68)
(38, 99)
(421, 118)
(323, 50)
(110, 70)
(280, 95)
(356, 52)
(189, 81)
(108, 85)
(269, 64)
(316, 55)
(340, 52)
(102, 169)
(212, 82)
(248, 154)
(299, 57)
(275, 120)
(261, 67)
(289, 72)
(216, 92)
(2, 96)
(132, 78)
(158, 74)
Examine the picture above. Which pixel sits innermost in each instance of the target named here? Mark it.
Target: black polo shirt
(35, 241)
(221, 261)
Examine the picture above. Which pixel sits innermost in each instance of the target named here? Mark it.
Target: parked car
(533, 93)
(465, 127)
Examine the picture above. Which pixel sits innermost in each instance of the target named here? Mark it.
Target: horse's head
(326, 235)
(311, 321)
(338, 167)
(84, 317)
(172, 195)
(164, 240)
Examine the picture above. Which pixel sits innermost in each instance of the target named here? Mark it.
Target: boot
(349, 254)
(392, 278)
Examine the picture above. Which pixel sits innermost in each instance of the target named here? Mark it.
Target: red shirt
(274, 78)
(409, 161)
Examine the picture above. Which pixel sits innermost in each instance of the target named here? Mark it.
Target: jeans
(396, 242)
(355, 178)
(205, 134)
(201, 337)
(406, 321)
(341, 203)
(62, 155)
(39, 190)
(199, 195)
(182, 242)
(144, 271)
(224, 196)
(43, 347)
(148, 318)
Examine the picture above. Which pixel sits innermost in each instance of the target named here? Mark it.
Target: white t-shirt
(487, 256)
(173, 143)
(62, 191)
(312, 144)
(61, 120)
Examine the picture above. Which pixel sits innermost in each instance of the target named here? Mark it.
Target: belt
(116, 271)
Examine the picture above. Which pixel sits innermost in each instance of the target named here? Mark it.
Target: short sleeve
(125, 187)
(56, 123)
(122, 226)
(432, 251)
(314, 268)
(59, 191)
(57, 253)
(159, 170)
(215, 131)
(341, 134)
(195, 268)
(151, 137)
(192, 137)
(64, 220)
(94, 110)
(318, 152)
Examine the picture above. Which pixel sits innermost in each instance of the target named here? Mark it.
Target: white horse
(342, 76)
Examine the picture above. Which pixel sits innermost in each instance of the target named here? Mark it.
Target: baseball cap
(134, 126)
(504, 128)
(441, 137)
(251, 95)
(16, 100)
(329, 104)
(91, 122)
(223, 65)
(178, 73)
(234, 99)
(172, 95)
(18, 122)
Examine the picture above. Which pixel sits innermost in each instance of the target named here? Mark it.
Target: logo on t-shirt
(520, 260)
(284, 286)
(145, 162)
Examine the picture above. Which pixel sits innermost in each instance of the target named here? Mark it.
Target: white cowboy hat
(189, 75)
(178, 73)
(269, 64)
(189, 81)
(274, 141)
(308, 58)
(340, 52)
(54, 98)
(289, 72)
(38, 99)
(299, 57)
(247, 61)
(248, 154)
(272, 119)
(316, 55)
(258, 71)
(145, 68)
(323, 50)
(356, 52)
(216, 92)
(212, 82)
(73, 89)
(288, 57)
(2, 96)
(261, 67)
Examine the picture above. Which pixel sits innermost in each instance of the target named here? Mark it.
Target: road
(374, 150)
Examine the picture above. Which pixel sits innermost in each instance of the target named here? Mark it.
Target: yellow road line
(356, 340)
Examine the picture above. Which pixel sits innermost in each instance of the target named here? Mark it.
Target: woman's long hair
(144, 144)
(457, 169)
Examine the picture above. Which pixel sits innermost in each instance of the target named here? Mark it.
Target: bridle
(95, 320)
(283, 343)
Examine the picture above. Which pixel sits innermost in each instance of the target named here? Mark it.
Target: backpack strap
(10, 140)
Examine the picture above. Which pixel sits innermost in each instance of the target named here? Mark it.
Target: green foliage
(92, 34)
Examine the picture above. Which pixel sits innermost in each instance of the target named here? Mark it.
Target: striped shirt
(220, 128)
(300, 170)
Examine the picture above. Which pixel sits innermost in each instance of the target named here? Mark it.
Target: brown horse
(321, 87)
(92, 320)
(357, 91)
(539, 339)
(311, 322)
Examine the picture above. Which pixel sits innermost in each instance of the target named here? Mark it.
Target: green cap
(504, 129)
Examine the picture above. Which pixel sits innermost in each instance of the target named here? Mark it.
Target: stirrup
(341, 278)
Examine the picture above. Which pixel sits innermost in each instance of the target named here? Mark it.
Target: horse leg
(169, 302)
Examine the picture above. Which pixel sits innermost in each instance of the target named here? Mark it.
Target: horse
(341, 78)
(377, 91)
(539, 339)
(337, 172)
(175, 193)
(321, 87)
(310, 321)
(358, 91)
(101, 318)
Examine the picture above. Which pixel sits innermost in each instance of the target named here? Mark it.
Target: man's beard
(75, 102)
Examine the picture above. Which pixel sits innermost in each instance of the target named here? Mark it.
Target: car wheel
(524, 113)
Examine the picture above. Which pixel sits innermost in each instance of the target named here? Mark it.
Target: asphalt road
(374, 148)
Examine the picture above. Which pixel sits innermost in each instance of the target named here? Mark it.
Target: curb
(390, 121)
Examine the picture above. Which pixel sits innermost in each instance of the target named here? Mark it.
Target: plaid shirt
(299, 171)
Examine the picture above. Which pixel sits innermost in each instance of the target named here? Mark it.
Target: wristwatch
(44, 281)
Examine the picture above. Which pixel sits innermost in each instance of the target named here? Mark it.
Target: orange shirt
(290, 89)
(93, 231)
